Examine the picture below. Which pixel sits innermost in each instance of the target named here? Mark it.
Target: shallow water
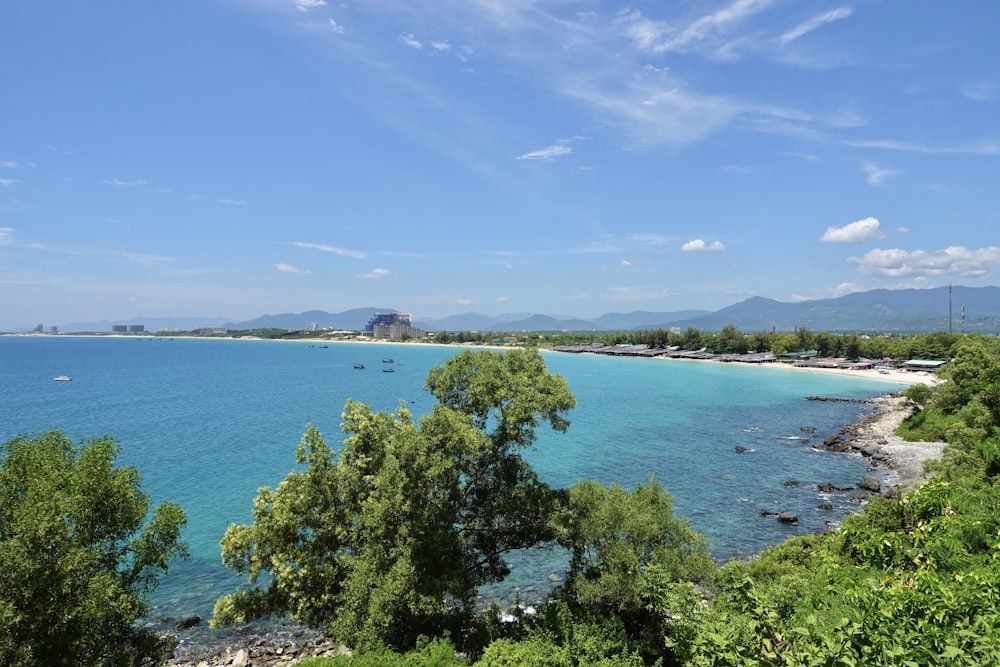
(209, 421)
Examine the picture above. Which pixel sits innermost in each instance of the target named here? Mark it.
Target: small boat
(387, 369)
(62, 378)
(387, 360)
(359, 365)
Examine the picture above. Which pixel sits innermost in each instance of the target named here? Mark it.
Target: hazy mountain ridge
(909, 310)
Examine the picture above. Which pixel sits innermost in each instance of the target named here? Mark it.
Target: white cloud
(410, 40)
(335, 27)
(855, 232)
(343, 252)
(8, 181)
(698, 245)
(503, 299)
(6, 235)
(9, 164)
(815, 23)
(954, 260)
(662, 37)
(374, 274)
(119, 183)
(876, 175)
(233, 202)
(547, 153)
(625, 263)
(441, 46)
(281, 267)
(838, 290)
(463, 301)
(306, 5)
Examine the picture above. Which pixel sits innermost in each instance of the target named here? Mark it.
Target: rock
(825, 487)
(807, 429)
(740, 450)
(825, 507)
(242, 659)
(791, 482)
(188, 622)
(870, 483)
(789, 518)
(766, 512)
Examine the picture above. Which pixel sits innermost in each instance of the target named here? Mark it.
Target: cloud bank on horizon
(227, 158)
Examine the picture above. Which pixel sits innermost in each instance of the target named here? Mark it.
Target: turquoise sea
(209, 421)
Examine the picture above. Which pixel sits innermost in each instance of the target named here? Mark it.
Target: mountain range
(907, 310)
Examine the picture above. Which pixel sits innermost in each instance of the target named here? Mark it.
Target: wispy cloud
(698, 245)
(9, 164)
(374, 274)
(410, 40)
(281, 267)
(650, 239)
(860, 230)
(343, 252)
(815, 23)
(8, 181)
(143, 259)
(120, 183)
(335, 27)
(976, 148)
(637, 293)
(306, 5)
(838, 290)
(547, 153)
(705, 32)
(463, 301)
(626, 264)
(876, 175)
(954, 260)
(233, 202)
(6, 235)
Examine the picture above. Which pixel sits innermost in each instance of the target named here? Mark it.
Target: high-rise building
(392, 325)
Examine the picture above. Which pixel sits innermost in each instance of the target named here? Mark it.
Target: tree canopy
(391, 536)
(77, 554)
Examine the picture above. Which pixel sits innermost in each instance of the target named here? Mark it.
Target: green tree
(631, 561)
(390, 537)
(77, 554)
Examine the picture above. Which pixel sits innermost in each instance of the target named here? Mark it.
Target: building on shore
(392, 325)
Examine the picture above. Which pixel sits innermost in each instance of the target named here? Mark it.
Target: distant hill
(352, 320)
(909, 310)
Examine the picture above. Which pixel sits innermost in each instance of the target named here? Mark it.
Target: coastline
(874, 438)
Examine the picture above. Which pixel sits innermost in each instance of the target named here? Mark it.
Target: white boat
(62, 378)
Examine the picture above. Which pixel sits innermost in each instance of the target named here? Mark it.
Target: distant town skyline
(228, 159)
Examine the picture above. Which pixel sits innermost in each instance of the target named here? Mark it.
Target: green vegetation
(77, 556)
(384, 542)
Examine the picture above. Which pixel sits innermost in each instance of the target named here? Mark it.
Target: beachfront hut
(925, 365)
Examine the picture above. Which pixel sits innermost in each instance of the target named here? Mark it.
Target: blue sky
(225, 159)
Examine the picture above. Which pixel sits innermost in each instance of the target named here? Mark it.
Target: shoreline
(874, 438)
(897, 462)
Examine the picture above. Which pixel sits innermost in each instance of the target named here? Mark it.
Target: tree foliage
(77, 554)
(390, 537)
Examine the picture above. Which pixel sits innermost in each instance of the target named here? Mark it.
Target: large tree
(79, 551)
(391, 536)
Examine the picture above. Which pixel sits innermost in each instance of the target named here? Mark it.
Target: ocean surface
(209, 421)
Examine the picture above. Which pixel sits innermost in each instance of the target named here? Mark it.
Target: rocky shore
(899, 461)
(895, 465)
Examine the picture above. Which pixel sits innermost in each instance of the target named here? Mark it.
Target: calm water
(209, 421)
